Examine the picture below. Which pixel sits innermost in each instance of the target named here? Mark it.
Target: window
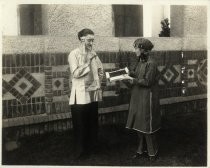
(128, 20)
(30, 19)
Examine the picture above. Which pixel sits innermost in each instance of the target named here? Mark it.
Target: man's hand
(100, 74)
(87, 63)
(92, 55)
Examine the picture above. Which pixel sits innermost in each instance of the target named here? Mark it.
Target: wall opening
(30, 19)
(128, 20)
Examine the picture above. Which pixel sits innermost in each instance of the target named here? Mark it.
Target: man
(86, 73)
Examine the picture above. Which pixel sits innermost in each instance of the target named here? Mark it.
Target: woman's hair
(84, 32)
(143, 43)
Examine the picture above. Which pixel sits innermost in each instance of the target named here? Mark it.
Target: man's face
(88, 41)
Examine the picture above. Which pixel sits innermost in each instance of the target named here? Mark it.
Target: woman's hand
(131, 73)
(127, 78)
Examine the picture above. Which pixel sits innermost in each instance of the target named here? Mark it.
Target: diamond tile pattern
(202, 72)
(195, 63)
(168, 74)
(24, 83)
(191, 73)
(23, 86)
(57, 83)
(21, 90)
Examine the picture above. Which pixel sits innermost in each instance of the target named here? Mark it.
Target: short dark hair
(143, 44)
(84, 32)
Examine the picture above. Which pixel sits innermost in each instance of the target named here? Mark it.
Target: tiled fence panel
(39, 83)
(23, 85)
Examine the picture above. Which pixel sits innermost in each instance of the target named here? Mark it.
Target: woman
(86, 73)
(144, 114)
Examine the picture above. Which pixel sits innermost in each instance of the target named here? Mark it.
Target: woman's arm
(132, 74)
(149, 76)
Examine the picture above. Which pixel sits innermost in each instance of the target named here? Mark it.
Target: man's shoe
(153, 158)
(81, 156)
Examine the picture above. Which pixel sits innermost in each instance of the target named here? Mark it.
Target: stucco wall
(188, 21)
(65, 20)
(176, 19)
(195, 20)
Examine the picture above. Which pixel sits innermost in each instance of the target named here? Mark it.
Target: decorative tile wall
(40, 83)
(195, 72)
(23, 85)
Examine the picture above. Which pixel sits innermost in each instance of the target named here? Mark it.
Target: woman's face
(138, 51)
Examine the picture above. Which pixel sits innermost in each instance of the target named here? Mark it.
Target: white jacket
(84, 76)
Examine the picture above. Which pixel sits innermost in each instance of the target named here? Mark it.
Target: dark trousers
(148, 141)
(85, 126)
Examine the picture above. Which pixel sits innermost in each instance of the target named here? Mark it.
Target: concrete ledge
(53, 44)
(113, 109)
(172, 100)
(22, 44)
(35, 119)
(58, 44)
(191, 43)
(160, 43)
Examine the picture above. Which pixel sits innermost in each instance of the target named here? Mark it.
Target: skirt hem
(143, 131)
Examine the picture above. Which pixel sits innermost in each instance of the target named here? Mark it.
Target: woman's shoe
(137, 156)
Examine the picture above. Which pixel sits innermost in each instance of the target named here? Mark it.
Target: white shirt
(80, 73)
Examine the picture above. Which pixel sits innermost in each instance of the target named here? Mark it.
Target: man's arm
(78, 71)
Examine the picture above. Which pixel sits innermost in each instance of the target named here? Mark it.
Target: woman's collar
(142, 59)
